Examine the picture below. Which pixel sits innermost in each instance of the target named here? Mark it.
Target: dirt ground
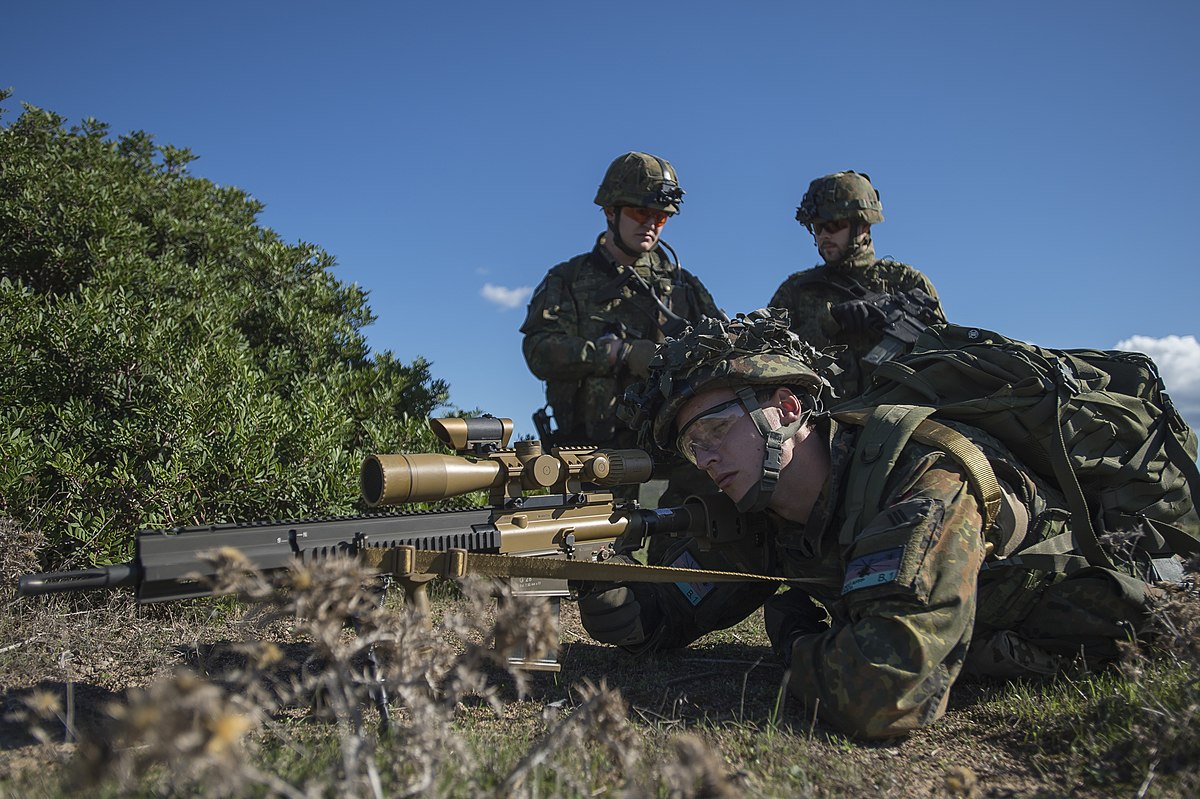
(725, 688)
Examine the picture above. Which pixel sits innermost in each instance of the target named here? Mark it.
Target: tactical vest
(578, 423)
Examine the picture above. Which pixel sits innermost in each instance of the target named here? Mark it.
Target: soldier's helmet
(640, 180)
(842, 195)
(755, 349)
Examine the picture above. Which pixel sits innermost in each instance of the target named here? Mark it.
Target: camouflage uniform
(915, 598)
(909, 597)
(591, 297)
(809, 295)
(577, 303)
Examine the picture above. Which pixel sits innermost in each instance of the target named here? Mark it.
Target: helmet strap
(857, 251)
(614, 228)
(758, 497)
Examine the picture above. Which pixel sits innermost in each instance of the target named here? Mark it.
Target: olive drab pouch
(1097, 424)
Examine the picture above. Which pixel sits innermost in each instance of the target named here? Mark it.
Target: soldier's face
(640, 227)
(832, 239)
(732, 452)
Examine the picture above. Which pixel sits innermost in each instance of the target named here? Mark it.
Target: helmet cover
(842, 195)
(640, 180)
(755, 349)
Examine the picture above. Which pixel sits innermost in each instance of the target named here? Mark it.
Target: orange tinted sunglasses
(646, 216)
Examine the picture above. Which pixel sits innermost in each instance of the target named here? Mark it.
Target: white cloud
(1178, 359)
(505, 297)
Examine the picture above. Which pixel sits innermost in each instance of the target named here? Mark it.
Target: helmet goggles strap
(757, 498)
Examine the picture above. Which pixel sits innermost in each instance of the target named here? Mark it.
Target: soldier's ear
(789, 405)
(610, 214)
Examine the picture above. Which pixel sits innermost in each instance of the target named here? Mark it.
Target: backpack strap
(825, 276)
(886, 430)
(1056, 554)
(1082, 527)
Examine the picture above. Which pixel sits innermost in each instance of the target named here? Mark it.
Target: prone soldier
(890, 601)
(870, 306)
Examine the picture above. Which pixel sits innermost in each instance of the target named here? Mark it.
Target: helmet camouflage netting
(756, 349)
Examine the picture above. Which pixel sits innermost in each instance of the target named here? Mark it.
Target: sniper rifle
(534, 540)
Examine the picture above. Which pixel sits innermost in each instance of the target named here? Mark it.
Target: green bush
(167, 361)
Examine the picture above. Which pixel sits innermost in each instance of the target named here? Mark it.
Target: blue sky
(1036, 160)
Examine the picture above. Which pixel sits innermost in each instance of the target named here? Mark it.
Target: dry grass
(272, 695)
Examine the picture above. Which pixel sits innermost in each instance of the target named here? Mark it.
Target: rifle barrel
(115, 576)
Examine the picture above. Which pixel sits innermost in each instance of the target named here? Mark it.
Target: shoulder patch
(873, 568)
(695, 592)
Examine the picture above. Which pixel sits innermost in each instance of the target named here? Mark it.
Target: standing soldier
(874, 307)
(595, 321)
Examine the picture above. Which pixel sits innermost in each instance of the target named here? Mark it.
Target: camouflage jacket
(808, 298)
(914, 598)
(577, 303)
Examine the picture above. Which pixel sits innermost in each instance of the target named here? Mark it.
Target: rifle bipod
(414, 579)
(378, 688)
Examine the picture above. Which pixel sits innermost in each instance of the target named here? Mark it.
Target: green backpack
(1097, 424)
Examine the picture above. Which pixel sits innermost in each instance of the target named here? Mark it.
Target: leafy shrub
(165, 360)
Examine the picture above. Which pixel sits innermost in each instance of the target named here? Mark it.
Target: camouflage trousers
(1086, 616)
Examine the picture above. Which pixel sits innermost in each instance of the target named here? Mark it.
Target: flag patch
(874, 568)
(694, 592)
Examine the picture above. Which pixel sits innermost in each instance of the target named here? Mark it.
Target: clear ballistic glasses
(708, 430)
(647, 216)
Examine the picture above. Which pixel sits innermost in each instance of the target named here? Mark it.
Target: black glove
(857, 316)
(636, 355)
(789, 615)
(625, 614)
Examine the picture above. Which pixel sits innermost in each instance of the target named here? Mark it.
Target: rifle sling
(825, 275)
(627, 275)
(458, 563)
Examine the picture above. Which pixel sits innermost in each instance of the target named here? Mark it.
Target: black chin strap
(854, 246)
(614, 228)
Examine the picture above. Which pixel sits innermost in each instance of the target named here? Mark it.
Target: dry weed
(43, 715)
(18, 556)
(601, 718)
(1165, 724)
(185, 723)
(356, 651)
(693, 770)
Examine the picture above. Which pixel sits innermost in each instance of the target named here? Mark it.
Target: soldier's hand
(789, 615)
(637, 356)
(613, 616)
(617, 613)
(611, 345)
(857, 316)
